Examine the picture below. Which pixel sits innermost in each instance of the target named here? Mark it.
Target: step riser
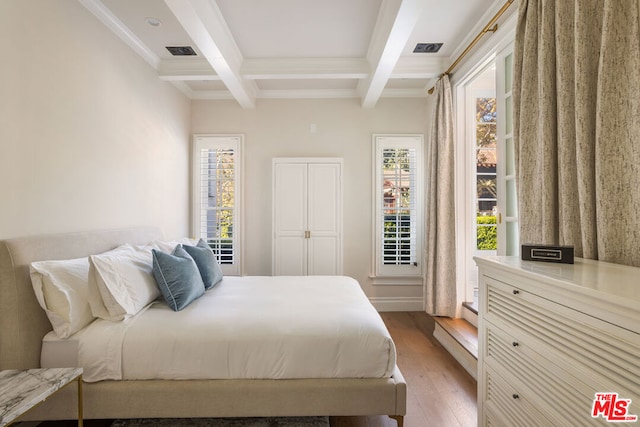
(468, 361)
(460, 338)
(470, 316)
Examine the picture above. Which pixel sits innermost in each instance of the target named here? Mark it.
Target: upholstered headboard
(23, 323)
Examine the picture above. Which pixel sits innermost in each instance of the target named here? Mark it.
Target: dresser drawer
(493, 419)
(509, 406)
(604, 355)
(557, 393)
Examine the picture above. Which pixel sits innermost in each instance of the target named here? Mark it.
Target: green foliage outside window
(487, 236)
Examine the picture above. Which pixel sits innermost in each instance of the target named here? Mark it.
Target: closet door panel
(323, 199)
(290, 219)
(291, 258)
(290, 196)
(323, 256)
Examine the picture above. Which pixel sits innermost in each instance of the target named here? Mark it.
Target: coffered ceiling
(251, 49)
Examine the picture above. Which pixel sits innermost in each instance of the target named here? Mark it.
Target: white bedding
(246, 327)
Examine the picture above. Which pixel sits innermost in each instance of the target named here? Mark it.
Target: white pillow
(168, 246)
(62, 290)
(121, 282)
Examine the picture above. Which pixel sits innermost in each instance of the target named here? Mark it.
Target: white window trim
(411, 276)
(221, 141)
(508, 239)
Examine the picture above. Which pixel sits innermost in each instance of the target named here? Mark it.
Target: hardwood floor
(440, 393)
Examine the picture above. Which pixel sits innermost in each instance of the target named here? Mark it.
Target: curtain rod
(490, 27)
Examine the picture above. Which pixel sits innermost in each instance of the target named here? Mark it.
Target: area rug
(226, 422)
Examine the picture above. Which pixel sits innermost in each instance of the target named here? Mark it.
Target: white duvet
(246, 327)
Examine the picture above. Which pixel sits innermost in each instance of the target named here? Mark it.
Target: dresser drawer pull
(515, 343)
(515, 396)
(516, 292)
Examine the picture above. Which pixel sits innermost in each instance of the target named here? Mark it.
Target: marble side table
(21, 390)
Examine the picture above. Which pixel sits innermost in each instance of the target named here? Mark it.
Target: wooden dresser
(551, 336)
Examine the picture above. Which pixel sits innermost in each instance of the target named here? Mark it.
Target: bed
(23, 325)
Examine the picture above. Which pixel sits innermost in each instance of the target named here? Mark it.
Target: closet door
(307, 216)
(290, 219)
(323, 242)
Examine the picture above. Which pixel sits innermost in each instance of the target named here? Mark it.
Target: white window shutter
(217, 187)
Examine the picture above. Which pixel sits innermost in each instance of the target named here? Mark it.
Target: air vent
(181, 50)
(427, 47)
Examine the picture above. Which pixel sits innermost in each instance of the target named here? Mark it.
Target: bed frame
(23, 324)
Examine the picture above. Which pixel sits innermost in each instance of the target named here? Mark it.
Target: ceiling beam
(393, 29)
(299, 93)
(204, 23)
(301, 69)
(269, 69)
(412, 67)
(305, 68)
(186, 69)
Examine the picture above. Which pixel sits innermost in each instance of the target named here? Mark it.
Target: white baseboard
(468, 362)
(397, 303)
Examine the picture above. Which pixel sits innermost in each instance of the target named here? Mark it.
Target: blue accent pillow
(205, 260)
(177, 277)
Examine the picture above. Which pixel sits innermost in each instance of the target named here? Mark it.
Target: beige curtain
(440, 279)
(577, 126)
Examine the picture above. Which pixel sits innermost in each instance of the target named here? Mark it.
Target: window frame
(407, 274)
(507, 207)
(216, 141)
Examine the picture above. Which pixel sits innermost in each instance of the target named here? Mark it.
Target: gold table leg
(399, 419)
(80, 410)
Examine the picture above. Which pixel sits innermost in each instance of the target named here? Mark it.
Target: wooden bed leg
(399, 419)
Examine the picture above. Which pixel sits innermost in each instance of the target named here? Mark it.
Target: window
(398, 208)
(486, 161)
(217, 166)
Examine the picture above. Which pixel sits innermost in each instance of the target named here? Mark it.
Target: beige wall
(281, 128)
(89, 136)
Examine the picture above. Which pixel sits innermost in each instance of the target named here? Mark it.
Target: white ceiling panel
(301, 28)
